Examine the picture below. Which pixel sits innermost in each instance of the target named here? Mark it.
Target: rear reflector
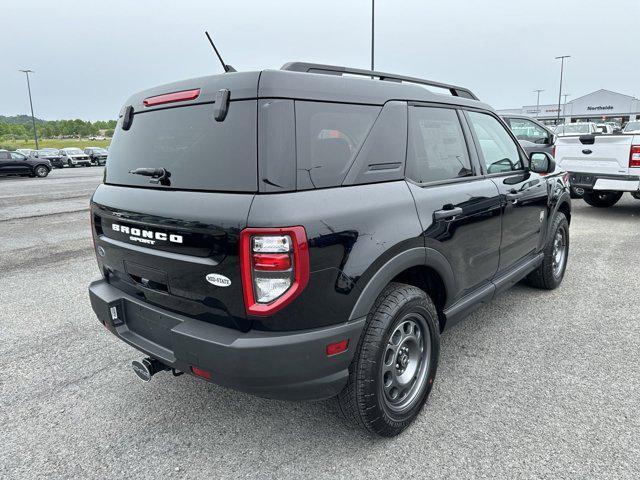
(634, 156)
(338, 347)
(181, 96)
(201, 373)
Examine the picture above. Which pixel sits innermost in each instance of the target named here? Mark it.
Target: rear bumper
(284, 365)
(595, 181)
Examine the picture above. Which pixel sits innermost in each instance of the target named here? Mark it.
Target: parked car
(533, 135)
(604, 166)
(50, 154)
(74, 156)
(582, 128)
(382, 214)
(632, 127)
(97, 155)
(25, 151)
(15, 163)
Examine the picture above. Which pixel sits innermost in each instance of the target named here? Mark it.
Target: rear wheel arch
(422, 267)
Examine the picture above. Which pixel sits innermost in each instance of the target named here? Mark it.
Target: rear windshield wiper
(158, 175)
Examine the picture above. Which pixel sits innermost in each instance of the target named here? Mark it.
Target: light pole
(373, 15)
(33, 119)
(538, 101)
(564, 104)
(561, 58)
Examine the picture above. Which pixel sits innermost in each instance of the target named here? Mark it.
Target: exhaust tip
(147, 368)
(141, 370)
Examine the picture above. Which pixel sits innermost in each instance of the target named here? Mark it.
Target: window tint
(529, 131)
(198, 152)
(437, 149)
(328, 137)
(4, 156)
(499, 150)
(17, 156)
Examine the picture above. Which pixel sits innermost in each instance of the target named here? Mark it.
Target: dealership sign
(600, 108)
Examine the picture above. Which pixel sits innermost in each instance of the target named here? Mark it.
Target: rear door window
(437, 148)
(199, 152)
(328, 137)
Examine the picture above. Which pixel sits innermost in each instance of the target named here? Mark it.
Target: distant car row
(586, 128)
(38, 163)
(70, 156)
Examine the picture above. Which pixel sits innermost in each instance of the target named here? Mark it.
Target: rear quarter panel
(351, 232)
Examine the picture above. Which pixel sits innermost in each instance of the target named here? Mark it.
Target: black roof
(307, 81)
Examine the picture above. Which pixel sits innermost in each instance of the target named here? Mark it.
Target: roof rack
(336, 70)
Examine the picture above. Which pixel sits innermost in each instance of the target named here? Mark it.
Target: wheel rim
(559, 251)
(41, 171)
(405, 362)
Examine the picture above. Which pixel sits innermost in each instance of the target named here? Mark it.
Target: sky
(89, 56)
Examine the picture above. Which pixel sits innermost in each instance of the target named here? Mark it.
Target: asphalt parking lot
(536, 385)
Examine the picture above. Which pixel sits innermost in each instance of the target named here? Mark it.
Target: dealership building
(599, 106)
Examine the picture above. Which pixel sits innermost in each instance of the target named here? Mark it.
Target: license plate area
(149, 324)
(582, 180)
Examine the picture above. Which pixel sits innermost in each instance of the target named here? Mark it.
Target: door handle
(514, 196)
(447, 213)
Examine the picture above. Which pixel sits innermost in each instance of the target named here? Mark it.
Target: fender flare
(565, 197)
(418, 256)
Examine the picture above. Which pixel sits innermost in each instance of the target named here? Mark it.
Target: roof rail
(336, 70)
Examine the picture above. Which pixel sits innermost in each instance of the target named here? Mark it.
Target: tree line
(20, 127)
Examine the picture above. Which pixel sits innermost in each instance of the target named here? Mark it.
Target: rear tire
(549, 275)
(41, 171)
(395, 363)
(602, 199)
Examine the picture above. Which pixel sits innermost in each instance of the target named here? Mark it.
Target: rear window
(199, 152)
(328, 137)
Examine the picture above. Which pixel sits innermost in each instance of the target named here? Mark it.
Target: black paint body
(375, 227)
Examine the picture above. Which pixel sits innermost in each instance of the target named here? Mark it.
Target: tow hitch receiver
(147, 368)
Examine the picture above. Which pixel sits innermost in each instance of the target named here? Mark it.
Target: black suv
(304, 234)
(97, 155)
(50, 154)
(15, 163)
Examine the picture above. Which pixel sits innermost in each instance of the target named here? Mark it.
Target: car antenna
(227, 68)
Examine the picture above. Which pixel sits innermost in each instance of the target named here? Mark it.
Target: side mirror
(541, 162)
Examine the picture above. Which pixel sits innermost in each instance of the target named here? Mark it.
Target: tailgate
(601, 154)
(161, 245)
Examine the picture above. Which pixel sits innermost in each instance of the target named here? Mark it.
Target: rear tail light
(553, 151)
(181, 96)
(634, 156)
(274, 264)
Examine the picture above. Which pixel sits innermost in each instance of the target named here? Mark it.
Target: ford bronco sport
(304, 234)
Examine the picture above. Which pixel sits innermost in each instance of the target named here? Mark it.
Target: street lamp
(373, 14)
(561, 58)
(538, 101)
(33, 119)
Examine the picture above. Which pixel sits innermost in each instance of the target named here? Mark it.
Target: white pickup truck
(604, 166)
